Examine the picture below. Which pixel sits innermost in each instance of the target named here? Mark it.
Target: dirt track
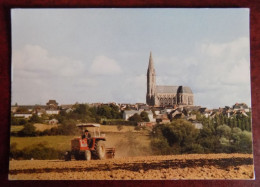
(211, 166)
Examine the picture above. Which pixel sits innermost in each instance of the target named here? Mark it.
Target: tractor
(89, 147)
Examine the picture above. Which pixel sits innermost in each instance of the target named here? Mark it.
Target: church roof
(166, 89)
(173, 89)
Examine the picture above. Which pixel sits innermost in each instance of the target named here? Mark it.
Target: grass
(16, 128)
(113, 128)
(42, 127)
(58, 142)
(38, 126)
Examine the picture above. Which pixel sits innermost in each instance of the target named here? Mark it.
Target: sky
(101, 55)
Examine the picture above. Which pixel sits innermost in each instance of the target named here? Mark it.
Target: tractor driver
(88, 136)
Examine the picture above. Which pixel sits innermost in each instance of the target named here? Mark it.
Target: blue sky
(101, 55)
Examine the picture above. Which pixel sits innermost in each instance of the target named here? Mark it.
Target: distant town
(155, 114)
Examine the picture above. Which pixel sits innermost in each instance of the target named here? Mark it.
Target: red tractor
(88, 146)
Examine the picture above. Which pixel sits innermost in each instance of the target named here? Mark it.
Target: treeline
(68, 120)
(85, 113)
(181, 137)
(237, 120)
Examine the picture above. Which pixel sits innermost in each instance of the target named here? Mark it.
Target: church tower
(151, 83)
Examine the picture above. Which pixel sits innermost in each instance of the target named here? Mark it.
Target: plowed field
(194, 166)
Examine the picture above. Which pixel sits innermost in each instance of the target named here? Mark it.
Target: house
(52, 104)
(197, 125)
(174, 113)
(143, 107)
(191, 117)
(67, 108)
(53, 121)
(179, 116)
(128, 113)
(14, 108)
(146, 124)
(162, 118)
(25, 115)
(52, 112)
(40, 112)
(241, 106)
(156, 111)
(167, 110)
(150, 116)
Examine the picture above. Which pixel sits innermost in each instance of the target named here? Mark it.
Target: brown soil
(193, 166)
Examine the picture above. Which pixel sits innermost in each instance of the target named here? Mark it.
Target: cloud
(223, 71)
(218, 73)
(103, 65)
(33, 61)
(39, 76)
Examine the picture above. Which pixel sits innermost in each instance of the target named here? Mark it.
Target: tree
(68, 127)
(81, 109)
(22, 110)
(183, 131)
(35, 119)
(136, 118)
(144, 116)
(160, 146)
(180, 136)
(224, 131)
(245, 143)
(28, 130)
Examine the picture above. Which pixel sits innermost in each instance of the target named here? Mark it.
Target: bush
(178, 137)
(136, 118)
(38, 151)
(245, 143)
(14, 152)
(180, 132)
(28, 130)
(68, 128)
(194, 148)
(35, 119)
(160, 146)
(18, 121)
(224, 130)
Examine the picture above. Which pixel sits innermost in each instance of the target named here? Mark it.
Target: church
(161, 96)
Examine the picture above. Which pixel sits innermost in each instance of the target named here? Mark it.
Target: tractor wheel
(77, 156)
(67, 156)
(100, 150)
(87, 155)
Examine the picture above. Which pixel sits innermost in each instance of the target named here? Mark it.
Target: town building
(158, 95)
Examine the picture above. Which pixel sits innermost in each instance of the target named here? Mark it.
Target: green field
(58, 142)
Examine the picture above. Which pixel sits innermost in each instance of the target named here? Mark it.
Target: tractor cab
(92, 128)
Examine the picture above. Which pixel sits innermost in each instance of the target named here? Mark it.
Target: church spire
(151, 82)
(150, 66)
